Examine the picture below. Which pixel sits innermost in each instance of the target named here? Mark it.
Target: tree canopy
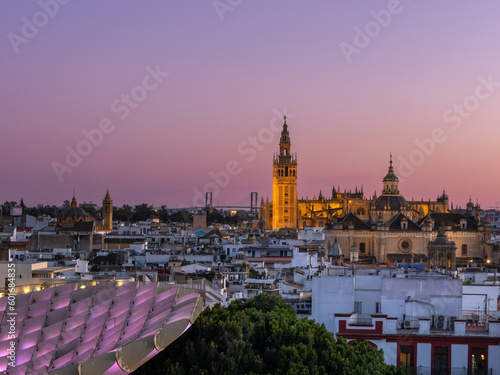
(263, 336)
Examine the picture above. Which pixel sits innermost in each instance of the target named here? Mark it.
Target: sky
(160, 101)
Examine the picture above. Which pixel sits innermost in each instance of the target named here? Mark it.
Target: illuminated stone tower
(107, 212)
(284, 184)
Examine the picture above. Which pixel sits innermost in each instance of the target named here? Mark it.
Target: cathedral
(74, 214)
(287, 211)
(384, 229)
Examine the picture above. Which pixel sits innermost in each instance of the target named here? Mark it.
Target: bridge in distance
(254, 207)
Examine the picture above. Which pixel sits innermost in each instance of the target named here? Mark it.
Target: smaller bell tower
(107, 212)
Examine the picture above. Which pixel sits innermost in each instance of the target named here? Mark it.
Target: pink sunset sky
(358, 80)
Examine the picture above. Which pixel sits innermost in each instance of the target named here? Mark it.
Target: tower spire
(74, 204)
(107, 212)
(390, 180)
(284, 183)
(391, 169)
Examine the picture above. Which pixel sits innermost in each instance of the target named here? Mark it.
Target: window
(362, 248)
(464, 249)
(357, 307)
(478, 356)
(440, 360)
(377, 307)
(406, 356)
(405, 245)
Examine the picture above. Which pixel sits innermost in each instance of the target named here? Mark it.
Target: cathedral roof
(451, 219)
(395, 223)
(352, 220)
(391, 203)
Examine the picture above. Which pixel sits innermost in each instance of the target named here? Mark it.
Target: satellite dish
(188, 250)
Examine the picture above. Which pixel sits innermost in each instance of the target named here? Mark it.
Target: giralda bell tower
(284, 184)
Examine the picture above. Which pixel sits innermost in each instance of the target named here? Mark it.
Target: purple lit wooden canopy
(102, 329)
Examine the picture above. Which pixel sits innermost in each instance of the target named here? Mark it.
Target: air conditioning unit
(451, 323)
(441, 322)
(409, 324)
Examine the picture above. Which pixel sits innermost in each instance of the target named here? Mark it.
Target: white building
(419, 320)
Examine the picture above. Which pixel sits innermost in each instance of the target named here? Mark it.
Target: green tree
(182, 216)
(123, 213)
(143, 212)
(263, 336)
(163, 214)
(7, 206)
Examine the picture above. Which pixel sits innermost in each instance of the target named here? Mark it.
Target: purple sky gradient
(228, 78)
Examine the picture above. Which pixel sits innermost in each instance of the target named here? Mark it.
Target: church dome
(391, 203)
(335, 250)
(74, 213)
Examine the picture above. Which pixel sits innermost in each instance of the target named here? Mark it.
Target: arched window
(286, 171)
